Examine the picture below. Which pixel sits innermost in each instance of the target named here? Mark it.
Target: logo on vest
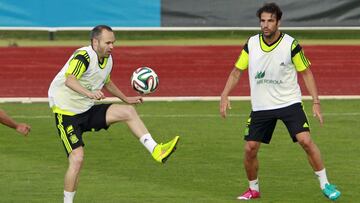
(261, 80)
(260, 74)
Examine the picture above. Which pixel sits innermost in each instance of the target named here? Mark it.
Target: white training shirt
(94, 78)
(272, 75)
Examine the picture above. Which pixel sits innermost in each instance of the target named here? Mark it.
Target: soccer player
(21, 128)
(72, 94)
(273, 59)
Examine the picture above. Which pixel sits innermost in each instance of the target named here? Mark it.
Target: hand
(23, 128)
(224, 105)
(98, 95)
(134, 100)
(317, 112)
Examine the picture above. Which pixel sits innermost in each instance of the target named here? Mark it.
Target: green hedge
(158, 35)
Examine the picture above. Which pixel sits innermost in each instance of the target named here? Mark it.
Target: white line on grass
(188, 115)
(191, 98)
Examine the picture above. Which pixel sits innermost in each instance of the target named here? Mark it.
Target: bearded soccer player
(273, 60)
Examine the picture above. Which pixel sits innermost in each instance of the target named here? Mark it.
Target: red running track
(182, 70)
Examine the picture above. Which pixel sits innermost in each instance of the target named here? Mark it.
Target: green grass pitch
(207, 166)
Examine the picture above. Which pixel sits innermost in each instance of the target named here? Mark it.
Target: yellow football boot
(163, 151)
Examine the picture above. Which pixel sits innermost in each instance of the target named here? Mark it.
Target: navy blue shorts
(261, 124)
(71, 128)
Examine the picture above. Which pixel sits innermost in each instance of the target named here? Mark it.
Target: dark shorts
(261, 124)
(71, 128)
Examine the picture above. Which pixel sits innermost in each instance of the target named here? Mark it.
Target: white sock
(148, 142)
(69, 196)
(254, 184)
(322, 178)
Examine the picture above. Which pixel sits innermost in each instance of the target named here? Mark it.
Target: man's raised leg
(128, 114)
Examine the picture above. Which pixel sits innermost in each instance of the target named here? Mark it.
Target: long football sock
(322, 178)
(69, 196)
(254, 184)
(148, 142)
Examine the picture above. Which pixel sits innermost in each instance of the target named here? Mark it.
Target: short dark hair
(272, 8)
(96, 31)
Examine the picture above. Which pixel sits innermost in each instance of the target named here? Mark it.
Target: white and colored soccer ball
(144, 80)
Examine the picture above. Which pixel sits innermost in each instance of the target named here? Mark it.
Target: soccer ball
(144, 80)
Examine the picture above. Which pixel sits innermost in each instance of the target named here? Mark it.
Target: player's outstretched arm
(232, 81)
(22, 128)
(115, 91)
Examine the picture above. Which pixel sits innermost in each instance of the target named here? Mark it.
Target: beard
(269, 35)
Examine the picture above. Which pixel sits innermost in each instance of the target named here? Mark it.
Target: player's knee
(130, 111)
(120, 113)
(306, 142)
(76, 159)
(251, 149)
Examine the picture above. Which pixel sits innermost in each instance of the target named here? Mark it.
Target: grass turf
(207, 167)
(163, 35)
